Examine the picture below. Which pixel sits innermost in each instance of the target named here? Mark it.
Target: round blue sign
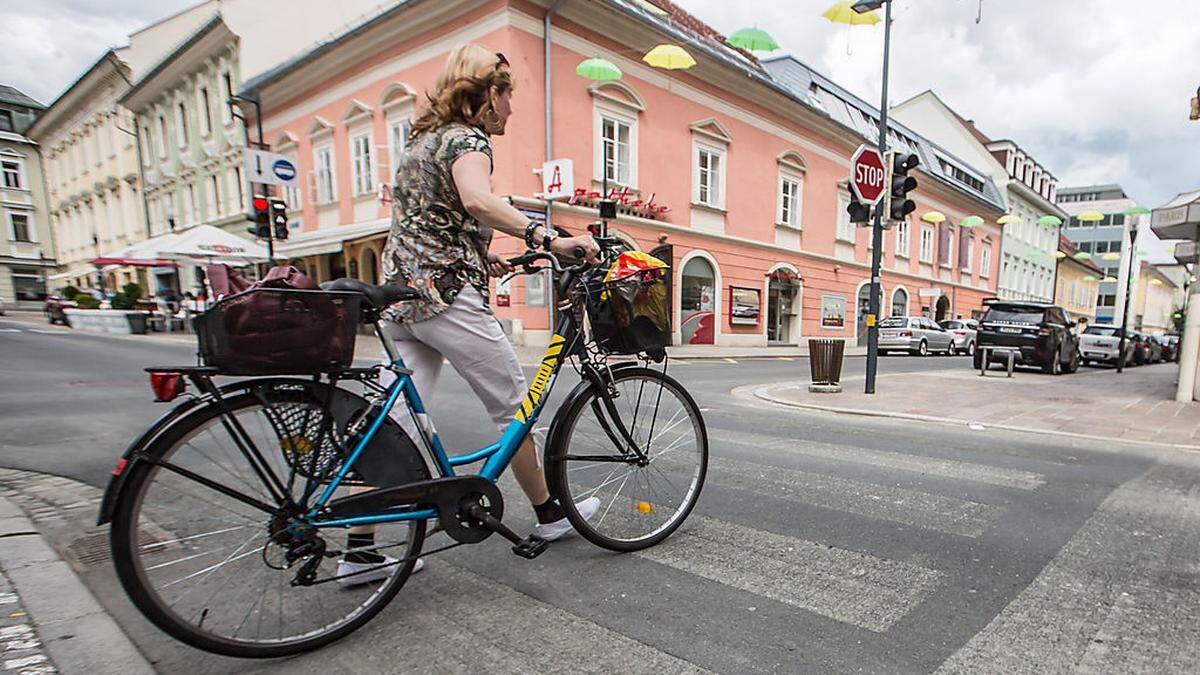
(284, 170)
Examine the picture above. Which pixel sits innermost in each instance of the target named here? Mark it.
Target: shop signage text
(627, 202)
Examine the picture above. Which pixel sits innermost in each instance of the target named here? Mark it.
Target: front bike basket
(628, 307)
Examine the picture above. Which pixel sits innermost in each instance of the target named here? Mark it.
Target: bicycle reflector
(167, 386)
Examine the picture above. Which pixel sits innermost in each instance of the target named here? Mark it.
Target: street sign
(268, 168)
(558, 179)
(867, 174)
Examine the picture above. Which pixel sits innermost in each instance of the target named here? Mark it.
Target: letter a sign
(558, 179)
(867, 175)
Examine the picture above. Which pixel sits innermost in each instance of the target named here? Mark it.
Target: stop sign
(867, 174)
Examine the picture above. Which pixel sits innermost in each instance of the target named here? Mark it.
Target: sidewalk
(1137, 405)
(49, 621)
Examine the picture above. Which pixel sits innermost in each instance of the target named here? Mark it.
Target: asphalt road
(820, 543)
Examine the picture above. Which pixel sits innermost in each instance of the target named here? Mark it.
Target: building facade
(1156, 299)
(27, 245)
(735, 171)
(1027, 263)
(1106, 241)
(1076, 282)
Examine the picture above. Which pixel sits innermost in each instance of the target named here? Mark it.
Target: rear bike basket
(277, 331)
(629, 315)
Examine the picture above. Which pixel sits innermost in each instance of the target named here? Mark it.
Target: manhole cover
(94, 549)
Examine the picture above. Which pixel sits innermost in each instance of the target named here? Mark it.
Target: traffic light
(260, 215)
(279, 219)
(859, 212)
(897, 205)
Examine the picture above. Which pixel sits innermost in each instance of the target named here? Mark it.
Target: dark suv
(1042, 334)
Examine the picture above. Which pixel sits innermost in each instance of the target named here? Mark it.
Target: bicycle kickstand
(529, 548)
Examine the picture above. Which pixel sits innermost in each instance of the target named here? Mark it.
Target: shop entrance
(781, 310)
(864, 307)
(697, 303)
(942, 311)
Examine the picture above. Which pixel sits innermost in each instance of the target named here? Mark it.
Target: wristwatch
(550, 235)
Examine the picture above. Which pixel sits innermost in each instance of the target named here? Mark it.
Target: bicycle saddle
(380, 296)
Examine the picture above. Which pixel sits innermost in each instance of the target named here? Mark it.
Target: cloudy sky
(1095, 89)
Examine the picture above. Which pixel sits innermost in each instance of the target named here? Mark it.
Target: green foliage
(69, 292)
(132, 291)
(1180, 318)
(85, 301)
(122, 301)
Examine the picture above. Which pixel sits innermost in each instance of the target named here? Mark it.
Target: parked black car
(1041, 333)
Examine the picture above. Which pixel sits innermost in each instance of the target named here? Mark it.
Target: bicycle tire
(124, 540)
(559, 465)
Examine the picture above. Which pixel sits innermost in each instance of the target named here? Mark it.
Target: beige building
(1077, 283)
(92, 181)
(1158, 296)
(27, 245)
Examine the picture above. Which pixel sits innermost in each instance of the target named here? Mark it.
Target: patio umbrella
(1090, 216)
(212, 244)
(1007, 219)
(1111, 255)
(669, 57)
(1083, 255)
(753, 40)
(841, 12)
(971, 221)
(1052, 221)
(934, 217)
(598, 69)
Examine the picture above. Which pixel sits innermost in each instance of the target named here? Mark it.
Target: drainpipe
(552, 302)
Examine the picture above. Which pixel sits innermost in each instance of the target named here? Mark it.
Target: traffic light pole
(266, 189)
(877, 226)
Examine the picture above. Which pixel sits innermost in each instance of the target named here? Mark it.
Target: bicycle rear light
(167, 386)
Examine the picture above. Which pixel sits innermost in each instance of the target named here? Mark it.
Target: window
(616, 142)
(6, 121)
(205, 114)
(710, 177)
(14, 174)
(1106, 300)
(789, 200)
(902, 241)
(535, 290)
(227, 81)
(291, 193)
(1102, 247)
(323, 159)
(28, 283)
(237, 181)
(961, 176)
(360, 152)
(214, 187)
(964, 251)
(1117, 219)
(193, 206)
(19, 226)
(162, 136)
(926, 244)
(985, 259)
(181, 126)
(845, 228)
(899, 302)
(397, 143)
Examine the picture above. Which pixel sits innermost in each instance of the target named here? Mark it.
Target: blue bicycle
(229, 514)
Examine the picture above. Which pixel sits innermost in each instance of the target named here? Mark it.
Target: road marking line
(43, 331)
(10, 330)
(880, 502)
(730, 361)
(846, 586)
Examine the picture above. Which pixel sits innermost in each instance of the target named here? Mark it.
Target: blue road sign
(284, 170)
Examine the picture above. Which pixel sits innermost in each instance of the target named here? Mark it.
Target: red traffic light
(260, 203)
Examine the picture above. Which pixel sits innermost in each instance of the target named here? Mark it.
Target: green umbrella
(753, 40)
(1141, 252)
(1053, 221)
(1083, 255)
(1034, 254)
(1135, 210)
(971, 221)
(1088, 277)
(598, 69)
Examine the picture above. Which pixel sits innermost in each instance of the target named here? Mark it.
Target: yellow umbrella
(670, 57)
(1007, 219)
(1109, 279)
(934, 217)
(1090, 216)
(842, 13)
(1059, 254)
(1111, 255)
(1156, 282)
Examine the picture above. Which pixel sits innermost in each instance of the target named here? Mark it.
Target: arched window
(900, 302)
(697, 303)
(369, 266)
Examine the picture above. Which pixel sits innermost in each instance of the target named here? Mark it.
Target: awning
(212, 244)
(73, 272)
(328, 239)
(1178, 218)
(133, 262)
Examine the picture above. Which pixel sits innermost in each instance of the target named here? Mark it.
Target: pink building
(736, 168)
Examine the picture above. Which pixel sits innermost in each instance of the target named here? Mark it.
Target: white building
(27, 245)
(1027, 264)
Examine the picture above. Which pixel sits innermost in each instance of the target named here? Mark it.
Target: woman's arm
(472, 177)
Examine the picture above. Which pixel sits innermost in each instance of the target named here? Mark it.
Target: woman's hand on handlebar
(498, 266)
(572, 247)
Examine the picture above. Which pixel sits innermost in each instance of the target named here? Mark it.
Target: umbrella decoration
(1156, 282)
(1111, 255)
(753, 40)
(1109, 278)
(841, 12)
(669, 57)
(934, 217)
(971, 221)
(1034, 254)
(1059, 254)
(1090, 217)
(1141, 253)
(1007, 219)
(1136, 209)
(1083, 255)
(1088, 277)
(1051, 221)
(598, 69)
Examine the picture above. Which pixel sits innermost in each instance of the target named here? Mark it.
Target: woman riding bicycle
(443, 216)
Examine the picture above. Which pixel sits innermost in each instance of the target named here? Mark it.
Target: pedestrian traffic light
(260, 215)
(897, 205)
(859, 212)
(279, 219)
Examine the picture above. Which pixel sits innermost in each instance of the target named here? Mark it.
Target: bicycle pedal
(530, 547)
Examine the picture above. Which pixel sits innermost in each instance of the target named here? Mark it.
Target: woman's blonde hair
(462, 92)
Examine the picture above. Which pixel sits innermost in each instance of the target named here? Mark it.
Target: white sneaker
(346, 567)
(562, 527)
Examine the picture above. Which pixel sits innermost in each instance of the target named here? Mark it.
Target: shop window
(535, 290)
(28, 284)
(900, 302)
(697, 302)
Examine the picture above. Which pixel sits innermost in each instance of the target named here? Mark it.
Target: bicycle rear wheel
(641, 501)
(201, 564)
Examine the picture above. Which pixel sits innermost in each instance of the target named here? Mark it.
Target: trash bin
(137, 322)
(825, 361)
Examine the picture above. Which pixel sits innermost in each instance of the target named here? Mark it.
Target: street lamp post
(1133, 233)
(877, 227)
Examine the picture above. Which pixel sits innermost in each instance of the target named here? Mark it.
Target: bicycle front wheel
(642, 496)
(208, 566)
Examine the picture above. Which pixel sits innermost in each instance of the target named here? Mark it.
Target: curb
(79, 636)
(761, 393)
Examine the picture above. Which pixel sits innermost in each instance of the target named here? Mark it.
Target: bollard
(825, 361)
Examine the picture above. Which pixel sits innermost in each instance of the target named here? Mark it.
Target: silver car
(965, 332)
(1099, 344)
(914, 334)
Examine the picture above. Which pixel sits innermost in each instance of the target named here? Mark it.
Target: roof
(206, 28)
(1108, 187)
(51, 112)
(799, 78)
(14, 96)
(1067, 246)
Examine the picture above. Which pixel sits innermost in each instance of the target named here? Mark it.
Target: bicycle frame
(498, 454)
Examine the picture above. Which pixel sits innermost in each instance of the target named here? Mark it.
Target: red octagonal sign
(867, 175)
